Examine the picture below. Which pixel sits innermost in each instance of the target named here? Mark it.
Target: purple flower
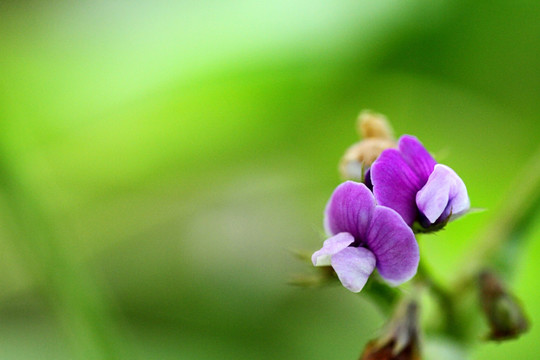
(411, 182)
(365, 235)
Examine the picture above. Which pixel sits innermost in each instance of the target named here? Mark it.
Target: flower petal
(353, 265)
(330, 247)
(395, 184)
(459, 198)
(349, 210)
(416, 155)
(394, 246)
(444, 190)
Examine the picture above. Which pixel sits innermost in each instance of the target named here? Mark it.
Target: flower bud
(377, 137)
(401, 340)
(373, 125)
(504, 313)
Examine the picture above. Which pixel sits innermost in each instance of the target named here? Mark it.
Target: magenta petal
(349, 209)
(395, 185)
(394, 246)
(443, 190)
(330, 247)
(353, 265)
(418, 158)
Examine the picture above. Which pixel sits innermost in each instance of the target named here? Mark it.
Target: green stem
(506, 231)
(444, 300)
(498, 245)
(382, 295)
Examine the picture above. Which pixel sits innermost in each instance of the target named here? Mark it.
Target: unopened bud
(359, 157)
(504, 313)
(377, 137)
(373, 125)
(401, 340)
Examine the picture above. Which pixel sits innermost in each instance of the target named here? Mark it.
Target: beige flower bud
(361, 155)
(377, 134)
(373, 125)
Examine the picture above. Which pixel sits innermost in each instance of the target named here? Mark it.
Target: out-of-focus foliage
(174, 151)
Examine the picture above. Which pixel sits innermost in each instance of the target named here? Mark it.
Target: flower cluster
(372, 224)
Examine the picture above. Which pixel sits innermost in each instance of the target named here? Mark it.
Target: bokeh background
(159, 159)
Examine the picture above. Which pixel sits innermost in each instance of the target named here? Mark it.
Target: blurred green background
(158, 160)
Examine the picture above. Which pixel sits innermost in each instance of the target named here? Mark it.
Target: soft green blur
(159, 159)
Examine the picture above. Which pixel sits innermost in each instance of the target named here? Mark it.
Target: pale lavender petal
(394, 246)
(444, 190)
(395, 185)
(349, 209)
(433, 198)
(416, 155)
(353, 265)
(459, 198)
(330, 247)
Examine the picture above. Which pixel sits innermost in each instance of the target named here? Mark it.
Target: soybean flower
(411, 182)
(365, 236)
